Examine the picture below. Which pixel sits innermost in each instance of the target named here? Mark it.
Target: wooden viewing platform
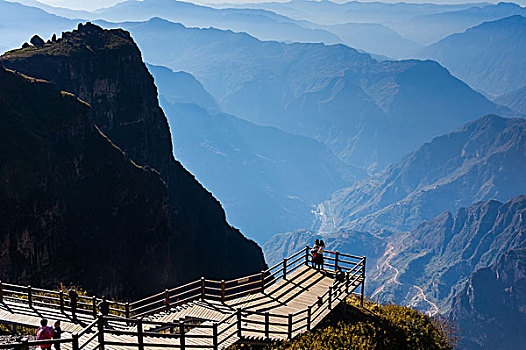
(280, 303)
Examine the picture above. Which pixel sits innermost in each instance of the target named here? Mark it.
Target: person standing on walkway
(321, 249)
(57, 333)
(104, 307)
(314, 252)
(72, 293)
(44, 333)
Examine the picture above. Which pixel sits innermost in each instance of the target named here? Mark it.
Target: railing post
(330, 298)
(238, 323)
(1, 292)
(214, 336)
(140, 334)
(347, 283)
(167, 300)
(308, 317)
(29, 296)
(61, 296)
(284, 268)
(336, 261)
(290, 327)
(127, 310)
(222, 291)
(363, 280)
(25, 345)
(267, 325)
(262, 281)
(182, 335)
(307, 250)
(202, 288)
(100, 326)
(75, 342)
(94, 306)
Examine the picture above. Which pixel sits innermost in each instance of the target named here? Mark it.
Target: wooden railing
(236, 325)
(227, 290)
(59, 300)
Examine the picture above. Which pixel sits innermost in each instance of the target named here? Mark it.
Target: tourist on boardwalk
(319, 254)
(314, 252)
(72, 293)
(57, 333)
(104, 307)
(44, 333)
(340, 275)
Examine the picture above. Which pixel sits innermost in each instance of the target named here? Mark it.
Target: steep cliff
(74, 208)
(105, 69)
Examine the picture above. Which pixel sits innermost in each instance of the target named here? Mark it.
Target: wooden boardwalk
(280, 303)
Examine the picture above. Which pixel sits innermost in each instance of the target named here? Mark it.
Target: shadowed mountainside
(105, 69)
(75, 209)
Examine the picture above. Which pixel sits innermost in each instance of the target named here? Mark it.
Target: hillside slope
(515, 100)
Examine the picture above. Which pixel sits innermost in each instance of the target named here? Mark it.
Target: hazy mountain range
(427, 29)
(330, 12)
(489, 57)
(18, 23)
(482, 160)
(439, 255)
(368, 113)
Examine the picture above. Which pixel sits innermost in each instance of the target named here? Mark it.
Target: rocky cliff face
(75, 209)
(491, 309)
(105, 69)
